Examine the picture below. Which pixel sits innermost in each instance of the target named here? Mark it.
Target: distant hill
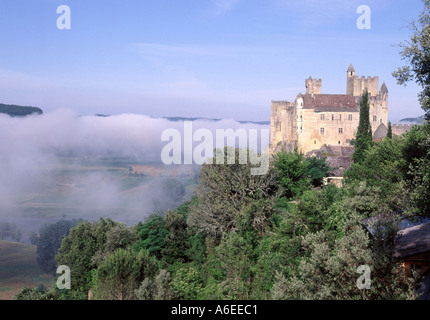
(418, 120)
(263, 123)
(18, 111)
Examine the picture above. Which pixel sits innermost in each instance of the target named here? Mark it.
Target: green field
(19, 268)
(74, 187)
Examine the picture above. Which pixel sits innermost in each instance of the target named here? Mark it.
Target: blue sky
(207, 58)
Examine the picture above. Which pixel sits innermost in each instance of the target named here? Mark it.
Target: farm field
(93, 188)
(19, 268)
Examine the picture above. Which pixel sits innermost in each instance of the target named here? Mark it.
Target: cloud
(43, 164)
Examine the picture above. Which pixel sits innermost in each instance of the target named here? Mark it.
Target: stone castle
(315, 120)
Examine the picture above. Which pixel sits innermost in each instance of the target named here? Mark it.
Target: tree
(390, 131)
(158, 288)
(118, 237)
(416, 52)
(151, 235)
(293, 173)
(121, 273)
(77, 251)
(318, 169)
(186, 282)
(49, 241)
(226, 192)
(37, 293)
(329, 269)
(363, 138)
(236, 259)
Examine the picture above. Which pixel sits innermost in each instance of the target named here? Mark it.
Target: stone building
(315, 120)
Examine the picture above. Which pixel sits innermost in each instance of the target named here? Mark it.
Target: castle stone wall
(399, 129)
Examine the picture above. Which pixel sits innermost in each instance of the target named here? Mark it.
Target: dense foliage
(363, 137)
(416, 53)
(18, 111)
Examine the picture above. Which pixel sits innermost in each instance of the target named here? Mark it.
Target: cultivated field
(19, 268)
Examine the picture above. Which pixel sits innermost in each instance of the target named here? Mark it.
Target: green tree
(416, 52)
(390, 131)
(293, 173)
(118, 237)
(77, 250)
(158, 288)
(318, 169)
(186, 282)
(381, 167)
(329, 269)
(49, 241)
(37, 293)
(151, 235)
(420, 186)
(363, 137)
(225, 192)
(121, 273)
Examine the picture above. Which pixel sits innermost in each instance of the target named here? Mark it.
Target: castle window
(322, 117)
(340, 130)
(350, 117)
(332, 117)
(374, 118)
(322, 130)
(340, 117)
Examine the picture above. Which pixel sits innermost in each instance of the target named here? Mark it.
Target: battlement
(313, 86)
(399, 129)
(281, 104)
(403, 125)
(356, 85)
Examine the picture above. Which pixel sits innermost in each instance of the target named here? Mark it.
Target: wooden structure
(413, 248)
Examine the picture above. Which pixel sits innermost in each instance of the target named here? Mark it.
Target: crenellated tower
(313, 86)
(355, 85)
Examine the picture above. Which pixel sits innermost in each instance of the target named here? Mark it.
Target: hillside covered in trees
(18, 111)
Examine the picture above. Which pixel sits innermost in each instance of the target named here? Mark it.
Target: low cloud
(40, 158)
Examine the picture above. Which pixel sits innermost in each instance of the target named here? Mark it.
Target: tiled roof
(381, 132)
(330, 102)
(414, 240)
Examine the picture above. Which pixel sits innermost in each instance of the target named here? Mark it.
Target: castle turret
(384, 89)
(351, 71)
(355, 86)
(313, 86)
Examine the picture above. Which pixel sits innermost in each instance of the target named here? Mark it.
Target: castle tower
(313, 86)
(355, 86)
(350, 74)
